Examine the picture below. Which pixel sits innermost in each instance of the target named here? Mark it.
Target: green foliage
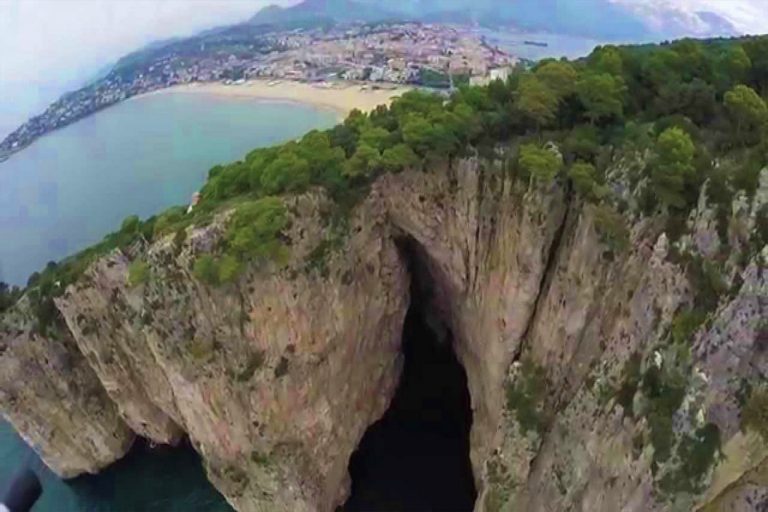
(630, 381)
(417, 133)
(8, 296)
(611, 228)
(673, 167)
(254, 231)
(526, 396)
(754, 414)
(664, 387)
(230, 269)
(206, 269)
(287, 173)
(399, 158)
(541, 163)
(585, 181)
(166, 220)
(582, 143)
(560, 77)
(536, 101)
(363, 164)
(706, 282)
(747, 109)
(607, 59)
(602, 95)
(138, 273)
(687, 91)
(685, 324)
(696, 456)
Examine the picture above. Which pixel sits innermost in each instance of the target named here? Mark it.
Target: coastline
(340, 97)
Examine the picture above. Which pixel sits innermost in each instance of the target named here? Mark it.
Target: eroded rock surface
(276, 378)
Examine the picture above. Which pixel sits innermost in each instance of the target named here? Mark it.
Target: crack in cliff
(480, 197)
(546, 276)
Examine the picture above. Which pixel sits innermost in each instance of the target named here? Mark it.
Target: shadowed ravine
(416, 458)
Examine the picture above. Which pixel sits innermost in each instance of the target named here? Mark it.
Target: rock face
(53, 399)
(276, 378)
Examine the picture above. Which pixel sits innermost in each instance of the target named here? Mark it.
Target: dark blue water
(162, 479)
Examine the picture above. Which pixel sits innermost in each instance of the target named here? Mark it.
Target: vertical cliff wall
(565, 339)
(52, 397)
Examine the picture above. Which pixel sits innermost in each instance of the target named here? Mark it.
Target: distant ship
(536, 43)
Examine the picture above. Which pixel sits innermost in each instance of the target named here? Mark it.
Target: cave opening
(416, 457)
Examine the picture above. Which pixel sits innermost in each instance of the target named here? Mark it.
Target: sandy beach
(342, 98)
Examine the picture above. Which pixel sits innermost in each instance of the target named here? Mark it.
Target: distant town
(429, 55)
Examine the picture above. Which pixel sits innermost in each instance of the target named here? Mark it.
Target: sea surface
(75, 185)
(162, 479)
(557, 45)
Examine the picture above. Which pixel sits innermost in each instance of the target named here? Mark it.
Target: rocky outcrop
(276, 378)
(52, 397)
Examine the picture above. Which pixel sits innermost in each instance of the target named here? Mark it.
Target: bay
(75, 185)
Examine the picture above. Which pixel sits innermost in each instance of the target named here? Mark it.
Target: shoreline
(339, 97)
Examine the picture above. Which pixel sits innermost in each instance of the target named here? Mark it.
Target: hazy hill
(599, 19)
(337, 10)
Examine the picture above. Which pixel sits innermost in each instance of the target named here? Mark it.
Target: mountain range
(621, 20)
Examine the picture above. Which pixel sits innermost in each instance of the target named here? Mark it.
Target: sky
(748, 16)
(50, 46)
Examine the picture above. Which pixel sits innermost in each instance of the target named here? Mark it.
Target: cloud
(747, 16)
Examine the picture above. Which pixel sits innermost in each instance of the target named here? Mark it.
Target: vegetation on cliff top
(696, 107)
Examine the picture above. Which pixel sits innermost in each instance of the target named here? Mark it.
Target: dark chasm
(416, 457)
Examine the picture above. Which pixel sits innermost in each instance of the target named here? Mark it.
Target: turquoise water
(71, 188)
(75, 185)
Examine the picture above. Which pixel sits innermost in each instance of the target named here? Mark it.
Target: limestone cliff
(275, 378)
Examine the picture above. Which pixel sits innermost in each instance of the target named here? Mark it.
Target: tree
(662, 67)
(130, 225)
(398, 158)
(583, 142)
(255, 228)
(601, 95)
(417, 133)
(672, 166)
(559, 76)
(585, 181)
(734, 66)
(747, 109)
(607, 59)
(325, 161)
(375, 137)
(287, 173)
(363, 163)
(536, 101)
(542, 163)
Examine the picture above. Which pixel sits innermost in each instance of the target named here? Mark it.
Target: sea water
(75, 185)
